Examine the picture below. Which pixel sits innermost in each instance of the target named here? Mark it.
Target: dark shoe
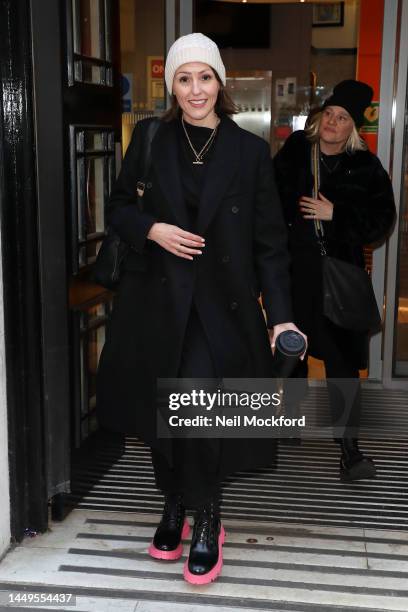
(172, 528)
(204, 563)
(353, 464)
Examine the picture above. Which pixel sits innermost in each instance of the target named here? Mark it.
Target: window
(92, 176)
(89, 42)
(88, 338)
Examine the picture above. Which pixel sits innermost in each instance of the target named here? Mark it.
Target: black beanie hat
(354, 96)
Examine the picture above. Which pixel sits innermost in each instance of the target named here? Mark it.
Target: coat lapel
(166, 164)
(222, 167)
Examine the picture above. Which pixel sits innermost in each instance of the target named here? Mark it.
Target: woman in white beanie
(209, 240)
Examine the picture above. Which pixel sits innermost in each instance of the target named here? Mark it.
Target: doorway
(85, 107)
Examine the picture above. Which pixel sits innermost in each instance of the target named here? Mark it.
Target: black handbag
(348, 295)
(107, 267)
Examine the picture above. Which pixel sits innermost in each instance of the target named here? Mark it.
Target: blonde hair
(354, 142)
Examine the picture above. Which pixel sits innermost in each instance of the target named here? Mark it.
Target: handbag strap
(150, 134)
(318, 227)
(146, 160)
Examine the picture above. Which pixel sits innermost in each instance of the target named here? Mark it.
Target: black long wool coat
(245, 254)
(364, 212)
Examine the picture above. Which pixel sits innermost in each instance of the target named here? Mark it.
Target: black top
(193, 175)
(329, 164)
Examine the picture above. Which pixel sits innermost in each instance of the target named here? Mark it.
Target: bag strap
(151, 132)
(147, 159)
(319, 230)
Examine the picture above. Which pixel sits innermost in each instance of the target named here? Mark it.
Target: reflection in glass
(95, 190)
(82, 361)
(91, 201)
(251, 92)
(93, 141)
(81, 203)
(96, 339)
(87, 28)
(143, 49)
(401, 338)
(89, 73)
(94, 175)
(82, 255)
(91, 323)
(91, 251)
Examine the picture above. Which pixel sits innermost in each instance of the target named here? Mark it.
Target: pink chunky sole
(170, 555)
(216, 570)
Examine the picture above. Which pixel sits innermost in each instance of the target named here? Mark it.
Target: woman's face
(336, 126)
(196, 89)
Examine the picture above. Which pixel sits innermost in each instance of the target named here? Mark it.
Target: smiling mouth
(197, 103)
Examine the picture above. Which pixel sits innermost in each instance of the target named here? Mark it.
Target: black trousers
(343, 382)
(194, 473)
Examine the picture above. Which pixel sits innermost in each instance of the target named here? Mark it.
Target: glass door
(400, 366)
(395, 343)
(92, 130)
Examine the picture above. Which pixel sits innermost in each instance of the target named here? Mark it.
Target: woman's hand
(175, 240)
(316, 209)
(278, 329)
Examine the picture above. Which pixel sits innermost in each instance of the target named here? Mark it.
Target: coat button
(235, 209)
(234, 305)
(225, 258)
(148, 185)
(163, 279)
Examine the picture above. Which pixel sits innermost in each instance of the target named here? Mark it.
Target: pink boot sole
(170, 555)
(216, 570)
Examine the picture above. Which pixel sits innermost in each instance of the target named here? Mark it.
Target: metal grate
(304, 488)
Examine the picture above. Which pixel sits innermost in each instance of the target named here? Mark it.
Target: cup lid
(290, 343)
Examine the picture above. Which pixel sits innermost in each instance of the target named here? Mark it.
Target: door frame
(21, 274)
(49, 143)
(390, 151)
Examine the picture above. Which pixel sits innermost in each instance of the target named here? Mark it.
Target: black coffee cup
(290, 345)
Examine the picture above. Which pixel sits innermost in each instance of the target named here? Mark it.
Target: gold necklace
(199, 156)
(329, 170)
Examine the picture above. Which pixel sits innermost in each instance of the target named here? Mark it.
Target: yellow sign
(371, 115)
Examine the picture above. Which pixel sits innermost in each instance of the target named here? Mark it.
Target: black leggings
(345, 393)
(195, 461)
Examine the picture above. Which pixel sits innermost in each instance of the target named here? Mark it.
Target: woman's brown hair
(223, 106)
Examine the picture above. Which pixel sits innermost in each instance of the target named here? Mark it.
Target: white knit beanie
(193, 48)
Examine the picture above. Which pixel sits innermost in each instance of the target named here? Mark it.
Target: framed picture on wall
(328, 15)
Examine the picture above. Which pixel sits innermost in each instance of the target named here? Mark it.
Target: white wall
(4, 465)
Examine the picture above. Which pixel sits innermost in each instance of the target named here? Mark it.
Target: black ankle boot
(205, 560)
(172, 528)
(353, 464)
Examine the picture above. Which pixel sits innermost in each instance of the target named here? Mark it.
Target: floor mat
(116, 474)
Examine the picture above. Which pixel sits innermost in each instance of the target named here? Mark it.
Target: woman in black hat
(354, 207)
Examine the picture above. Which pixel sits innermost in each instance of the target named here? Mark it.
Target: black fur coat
(364, 213)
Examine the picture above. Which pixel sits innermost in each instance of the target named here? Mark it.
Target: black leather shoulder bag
(107, 267)
(348, 295)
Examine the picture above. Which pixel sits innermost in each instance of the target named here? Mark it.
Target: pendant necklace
(329, 170)
(199, 156)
